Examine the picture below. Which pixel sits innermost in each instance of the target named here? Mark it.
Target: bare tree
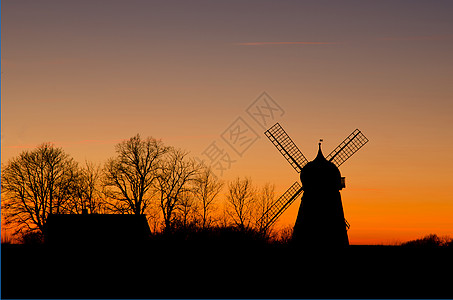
(176, 174)
(129, 177)
(224, 218)
(87, 190)
(206, 188)
(186, 210)
(265, 199)
(241, 202)
(35, 184)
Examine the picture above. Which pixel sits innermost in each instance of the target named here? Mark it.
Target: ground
(247, 270)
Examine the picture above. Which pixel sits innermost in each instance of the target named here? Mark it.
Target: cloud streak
(286, 43)
(418, 38)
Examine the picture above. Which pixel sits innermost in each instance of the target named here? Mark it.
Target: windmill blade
(347, 148)
(277, 135)
(279, 206)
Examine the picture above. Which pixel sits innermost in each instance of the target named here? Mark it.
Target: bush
(220, 236)
(32, 238)
(430, 241)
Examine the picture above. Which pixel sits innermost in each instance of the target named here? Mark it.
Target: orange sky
(87, 74)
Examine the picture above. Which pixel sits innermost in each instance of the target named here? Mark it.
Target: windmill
(320, 220)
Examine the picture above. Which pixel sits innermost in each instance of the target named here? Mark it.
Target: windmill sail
(347, 148)
(277, 135)
(279, 206)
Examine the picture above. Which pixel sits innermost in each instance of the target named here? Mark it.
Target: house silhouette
(96, 229)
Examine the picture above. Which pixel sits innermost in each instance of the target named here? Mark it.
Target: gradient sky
(88, 74)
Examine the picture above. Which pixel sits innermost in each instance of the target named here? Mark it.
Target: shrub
(430, 241)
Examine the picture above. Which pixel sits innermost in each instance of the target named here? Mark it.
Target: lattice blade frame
(347, 148)
(281, 140)
(279, 206)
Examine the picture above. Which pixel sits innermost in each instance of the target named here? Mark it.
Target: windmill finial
(320, 156)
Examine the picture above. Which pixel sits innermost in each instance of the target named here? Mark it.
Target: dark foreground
(180, 270)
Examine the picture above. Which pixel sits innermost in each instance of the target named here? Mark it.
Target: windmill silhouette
(320, 221)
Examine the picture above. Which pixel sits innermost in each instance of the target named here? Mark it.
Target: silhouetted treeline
(174, 190)
(430, 241)
(178, 194)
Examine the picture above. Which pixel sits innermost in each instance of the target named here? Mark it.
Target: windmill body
(320, 222)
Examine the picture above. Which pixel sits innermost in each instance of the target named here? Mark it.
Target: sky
(86, 75)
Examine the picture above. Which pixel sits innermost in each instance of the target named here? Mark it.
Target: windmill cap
(320, 174)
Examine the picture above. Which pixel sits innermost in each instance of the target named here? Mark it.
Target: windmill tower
(320, 221)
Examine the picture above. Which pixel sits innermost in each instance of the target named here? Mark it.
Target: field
(181, 269)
